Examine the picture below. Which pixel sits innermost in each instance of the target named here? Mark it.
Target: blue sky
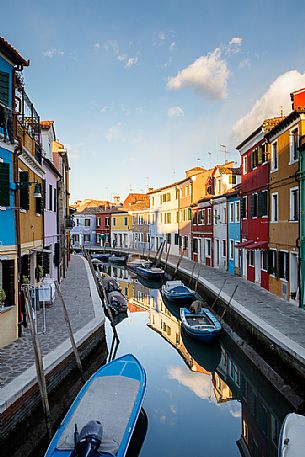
(140, 91)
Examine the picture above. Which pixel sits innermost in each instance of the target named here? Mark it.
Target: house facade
(253, 247)
(233, 229)
(121, 229)
(83, 234)
(103, 227)
(284, 205)
(202, 231)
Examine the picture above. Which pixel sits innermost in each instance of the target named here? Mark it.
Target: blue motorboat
(149, 272)
(292, 437)
(203, 326)
(176, 292)
(102, 418)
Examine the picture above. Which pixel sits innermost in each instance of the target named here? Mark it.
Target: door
(258, 257)
(217, 253)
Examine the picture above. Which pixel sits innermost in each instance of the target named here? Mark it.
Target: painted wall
(6, 67)
(50, 217)
(81, 229)
(233, 230)
(220, 231)
(7, 216)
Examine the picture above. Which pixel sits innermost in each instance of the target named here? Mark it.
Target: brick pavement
(18, 356)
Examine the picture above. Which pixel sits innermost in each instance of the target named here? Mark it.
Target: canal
(201, 399)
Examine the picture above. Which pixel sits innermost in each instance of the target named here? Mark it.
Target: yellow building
(121, 229)
(284, 206)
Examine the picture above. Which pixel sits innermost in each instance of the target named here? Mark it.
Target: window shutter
(44, 194)
(270, 262)
(176, 239)
(252, 205)
(260, 155)
(287, 266)
(243, 208)
(46, 262)
(4, 184)
(57, 254)
(260, 204)
(280, 264)
(24, 190)
(4, 87)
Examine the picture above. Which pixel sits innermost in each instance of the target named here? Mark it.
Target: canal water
(201, 399)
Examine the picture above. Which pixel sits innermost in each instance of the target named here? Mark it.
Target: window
(24, 190)
(231, 212)
(195, 215)
(185, 242)
(152, 201)
(274, 157)
(231, 249)
(216, 216)
(125, 220)
(201, 216)
(265, 260)
(209, 216)
(189, 214)
(244, 208)
(294, 145)
(4, 184)
(4, 87)
(224, 248)
(237, 212)
(77, 222)
(107, 220)
(254, 158)
(87, 238)
(55, 201)
(224, 215)
(272, 264)
(283, 265)
(98, 221)
(219, 186)
(262, 203)
(168, 238)
(245, 165)
(251, 255)
(167, 218)
(294, 204)
(114, 221)
(253, 205)
(262, 153)
(275, 207)
(208, 247)
(75, 238)
(87, 222)
(176, 239)
(50, 197)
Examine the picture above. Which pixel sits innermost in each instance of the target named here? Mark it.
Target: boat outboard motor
(88, 440)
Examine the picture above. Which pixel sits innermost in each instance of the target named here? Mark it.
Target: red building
(253, 248)
(103, 225)
(202, 231)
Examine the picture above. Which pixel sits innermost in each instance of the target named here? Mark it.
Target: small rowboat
(176, 292)
(119, 259)
(105, 412)
(203, 326)
(292, 436)
(149, 272)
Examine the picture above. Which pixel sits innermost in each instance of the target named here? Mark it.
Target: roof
(46, 124)
(12, 54)
(137, 206)
(266, 126)
(51, 165)
(234, 191)
(176, 183)
(283, 124)
(229, 170)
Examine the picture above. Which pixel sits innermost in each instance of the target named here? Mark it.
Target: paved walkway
(85, 312)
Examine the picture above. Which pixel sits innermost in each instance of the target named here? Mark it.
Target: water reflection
(219, 373)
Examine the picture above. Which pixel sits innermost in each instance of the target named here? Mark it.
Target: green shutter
(4, 184)
(260, 155)
(252, 205)
(260, 204)
(24, 190)
(4, 88)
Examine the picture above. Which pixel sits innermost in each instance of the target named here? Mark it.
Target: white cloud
(175, 111)
(111, 45)
(162, 36)
(172, 46)
(131, 62)
(198, 383)
(245, 63)
(234, 45)
(114, 133)
(208, 75)
(97, 45)
(275, 99)
(50, 53)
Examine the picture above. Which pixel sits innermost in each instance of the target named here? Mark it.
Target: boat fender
(88, 440)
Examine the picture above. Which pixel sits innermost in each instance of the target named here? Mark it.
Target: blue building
(11, 63)
(233, 228)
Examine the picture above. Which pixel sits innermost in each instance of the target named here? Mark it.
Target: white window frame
(273, 221)
(251, 253)
(245, 160)
(224, 248)
(232, 213)
(237, 212)
(232, 249)
(209, 220)
(262, 261)
(206, 242)
(291, 205)
(272, 156)
(293, 160)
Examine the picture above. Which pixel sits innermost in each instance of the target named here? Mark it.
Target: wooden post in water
(143, 249)
(157, 252)
(149, 248)
(70, 332)
(167, 254)
(192, 274)
(219, 293)
(178, 265)
(160, 253)
(39, 366)
(228, 306)
(197, 280)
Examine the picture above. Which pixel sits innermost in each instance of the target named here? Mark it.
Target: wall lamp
(37, 188)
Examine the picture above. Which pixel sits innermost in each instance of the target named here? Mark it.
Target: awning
(262, 245)
(243, 244)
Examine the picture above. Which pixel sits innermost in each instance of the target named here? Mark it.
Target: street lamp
(37, 188)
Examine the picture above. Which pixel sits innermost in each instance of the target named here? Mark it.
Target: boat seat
(110, 400)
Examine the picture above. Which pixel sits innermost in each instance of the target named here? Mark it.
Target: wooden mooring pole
(228, 305)
(191, 277)
(218, 295)
(177, 266)
(197, 279)
(39, 366)
(167, 254)
(70, 332)
(160, 253)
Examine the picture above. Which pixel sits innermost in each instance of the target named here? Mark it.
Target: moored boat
(117, 302)
(102, 418)
(176, 292)
(119, 259)
(292, 436)
(203, 326)
(149, 272)
(101, 256)
(133, 264)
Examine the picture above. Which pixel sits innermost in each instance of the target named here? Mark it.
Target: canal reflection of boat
(105, 412)
(118, 318)
(292, 436)
(202, 326)
(109, 284)
(173, 309)
(176, 292)
(117, 302)
(150, 283)
(207, 356)
(133, 264)
(103, 257)
(138, 436)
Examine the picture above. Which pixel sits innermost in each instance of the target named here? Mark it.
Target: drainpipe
(17, 152)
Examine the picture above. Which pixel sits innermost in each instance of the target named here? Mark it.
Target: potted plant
(2, 298)
(25, 280)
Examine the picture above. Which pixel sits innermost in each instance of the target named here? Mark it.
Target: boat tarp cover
(295, 432)
(178, 290)
(110, 400)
